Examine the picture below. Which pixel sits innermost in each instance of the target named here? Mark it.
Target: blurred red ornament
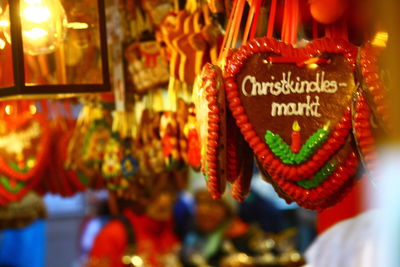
(327, 11)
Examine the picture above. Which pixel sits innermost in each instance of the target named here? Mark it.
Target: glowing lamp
(53, 47)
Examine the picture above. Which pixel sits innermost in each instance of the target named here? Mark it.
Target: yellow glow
(327, 125)
(2, 43)
(32, 109)
(126, 259)
(312, 66)
(296, 126)
(36, 14)
(78, 25)
(43, 24)
(8, 109)
(31, 163)
(136, 261)
(4, 23)
(33, 2)
(380, 39)
(35, 34)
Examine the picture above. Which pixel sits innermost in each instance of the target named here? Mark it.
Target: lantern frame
(20, 88)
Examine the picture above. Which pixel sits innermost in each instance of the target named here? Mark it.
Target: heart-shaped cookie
(24, 147)
(209, 99)
(292, 106)
(225, 156)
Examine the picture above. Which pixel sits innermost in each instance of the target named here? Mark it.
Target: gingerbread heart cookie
(292, 106)
(209, 99)
(24, 147)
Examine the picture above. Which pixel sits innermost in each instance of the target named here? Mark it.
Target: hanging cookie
(24, 149)
(293, 107)
(209, 99)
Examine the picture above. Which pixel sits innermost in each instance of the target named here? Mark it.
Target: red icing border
(369, 69)
(364, 133)
(209, 80)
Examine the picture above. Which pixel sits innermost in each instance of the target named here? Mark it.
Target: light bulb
(43, 25)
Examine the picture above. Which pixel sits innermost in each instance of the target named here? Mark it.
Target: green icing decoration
(319, 177)
(15, 167)
(82, 178)
(12, 189)
(5, 182)
(283, 151)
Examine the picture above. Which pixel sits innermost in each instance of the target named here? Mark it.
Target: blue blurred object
(183, 214)
(261, 210)
(23, 247)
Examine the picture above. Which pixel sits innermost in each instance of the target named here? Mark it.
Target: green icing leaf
(12, 189)
(82, 178)
(5, 182)
(15, 167)
(319, 177)
(282, 150)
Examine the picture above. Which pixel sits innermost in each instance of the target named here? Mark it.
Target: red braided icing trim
(209, 81)
(364, 134)
(369, 69)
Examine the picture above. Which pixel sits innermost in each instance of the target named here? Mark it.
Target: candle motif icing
(296, 138)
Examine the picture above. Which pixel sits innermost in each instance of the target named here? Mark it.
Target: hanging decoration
(262, 90)
(370, 109)
(209, 98)
(268, 83)
(24, 149)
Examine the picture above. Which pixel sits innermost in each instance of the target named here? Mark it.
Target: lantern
(53, 47)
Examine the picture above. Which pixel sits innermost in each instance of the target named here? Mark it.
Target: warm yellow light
(35, 34)
(32, 109)
(36, 14)
(312, 66)
(126, 259)
(136, 261)
(380, 39)
(78, 25)
(43, 25)
(296, 126)
(2, 44)
(33, 2)
(4, 23)
(8, 109)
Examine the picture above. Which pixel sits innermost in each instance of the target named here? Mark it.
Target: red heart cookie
(209, 99)
(292, 106)
(24, 147)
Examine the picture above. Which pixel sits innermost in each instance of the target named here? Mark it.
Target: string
(290, 23)
(249, 23)
(294, 25)
(285, 22)
(228, 29)
(256, 16)
(238, 20)
(271, 19)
